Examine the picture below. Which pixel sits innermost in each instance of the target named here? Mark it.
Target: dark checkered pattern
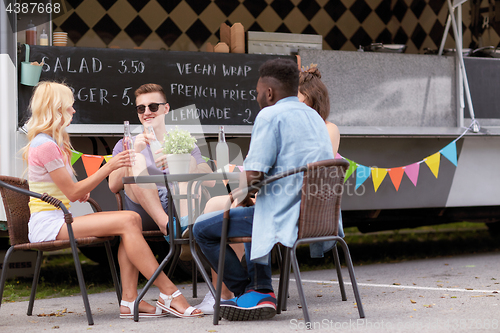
(189, 24)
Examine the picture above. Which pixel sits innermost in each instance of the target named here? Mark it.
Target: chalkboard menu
(484, 82)
(202, 87)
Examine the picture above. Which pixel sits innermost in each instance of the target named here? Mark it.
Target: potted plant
(177, 146)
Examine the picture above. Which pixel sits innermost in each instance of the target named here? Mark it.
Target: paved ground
(451, 294)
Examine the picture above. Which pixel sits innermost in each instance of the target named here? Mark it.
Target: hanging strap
(27, 55)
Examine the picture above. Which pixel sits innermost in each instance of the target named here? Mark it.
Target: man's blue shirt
(286, 135)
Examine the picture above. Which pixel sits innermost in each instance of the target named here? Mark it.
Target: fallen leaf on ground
(427, 305)
(396, 284)
(413, 301)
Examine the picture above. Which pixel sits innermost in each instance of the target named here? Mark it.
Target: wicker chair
(15, 194)
(322, 189)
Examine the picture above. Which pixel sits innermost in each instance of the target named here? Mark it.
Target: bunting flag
(412, 172)
(362, 173)
(75, 156)
(396, 175)
(352, 167)
(231, 169)
(433, 163)
(92, 163)
(450, 152)
(378, 175)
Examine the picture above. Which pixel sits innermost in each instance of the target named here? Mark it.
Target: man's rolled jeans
(207, 232)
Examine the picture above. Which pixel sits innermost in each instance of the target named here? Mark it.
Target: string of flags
(92, 163)
(396, 173)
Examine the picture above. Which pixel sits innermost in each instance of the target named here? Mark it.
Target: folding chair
(322, 189)
(15, 194)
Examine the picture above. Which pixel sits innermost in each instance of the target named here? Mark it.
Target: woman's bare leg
(135, 255)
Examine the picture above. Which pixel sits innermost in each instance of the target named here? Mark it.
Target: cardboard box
(21, 263)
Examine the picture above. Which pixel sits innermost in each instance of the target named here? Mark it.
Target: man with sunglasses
(150, 200)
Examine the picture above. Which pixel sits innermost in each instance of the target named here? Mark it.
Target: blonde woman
(49, 170)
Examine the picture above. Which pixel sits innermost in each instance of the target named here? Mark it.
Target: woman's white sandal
(158, 313)
(166, 307)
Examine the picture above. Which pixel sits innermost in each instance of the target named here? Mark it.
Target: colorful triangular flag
(433, 163)
(75, 155)
(362, 173)
(450, 152)
(107, 157)
(412, 172)
(352, 167)
(92, 163)
(378, 175)
(396, 175)
(241, 168)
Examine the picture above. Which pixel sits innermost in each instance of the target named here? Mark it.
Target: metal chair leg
(336, 259)
(81, 282)
(36, 278)
(283, 284)
(114, 274)
(220, 271)
(175, 259)
(194, 275)
(300, 290)
(4, 272)
(280, 286)
(353, 277)
(287, 281)
(149, 283)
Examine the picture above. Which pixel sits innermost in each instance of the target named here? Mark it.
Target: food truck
(419, 155)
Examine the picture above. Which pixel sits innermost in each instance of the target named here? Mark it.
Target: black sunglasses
(153, 107)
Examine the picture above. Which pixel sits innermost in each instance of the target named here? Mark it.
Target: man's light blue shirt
(286, 135)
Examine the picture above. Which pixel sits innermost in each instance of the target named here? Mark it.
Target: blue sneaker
(252, 305)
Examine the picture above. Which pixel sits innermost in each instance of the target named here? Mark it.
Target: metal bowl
(486, 52)
(448, 52)
(387, 48)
